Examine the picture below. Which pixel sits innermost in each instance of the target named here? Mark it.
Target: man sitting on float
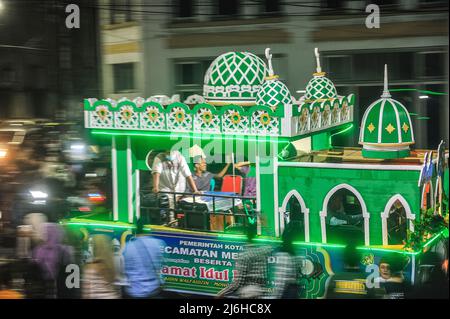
(203, 179)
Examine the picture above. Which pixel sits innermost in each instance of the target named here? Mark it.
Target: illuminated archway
(385, 215)
(305, 210)
(324, 212)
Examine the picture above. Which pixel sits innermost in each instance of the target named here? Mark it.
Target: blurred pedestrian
(98, 280)
(251, 278)
(52, 257)
(6, 286)
(143, 261)
(74, 239)
(37, 222)
(350, 283)
(431, 282)
(287, 268)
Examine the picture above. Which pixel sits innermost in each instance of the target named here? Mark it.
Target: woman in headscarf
(52, 257)
(99, 275)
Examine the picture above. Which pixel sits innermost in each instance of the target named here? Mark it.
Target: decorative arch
(324, 211)
(385, 215)
(305, 211)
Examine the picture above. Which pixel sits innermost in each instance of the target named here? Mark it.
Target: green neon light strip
(420, 91)
(434, 238)
(244, 138)
(340, 132)
(390, 250)
(419, 117)
(320, 245)
(415, 253)
(80, 223)
(443, 233)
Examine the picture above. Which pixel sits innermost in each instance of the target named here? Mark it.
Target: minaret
(272, 75)
(318, 66)
(386, 93)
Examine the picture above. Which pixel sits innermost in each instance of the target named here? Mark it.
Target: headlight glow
(38, 194)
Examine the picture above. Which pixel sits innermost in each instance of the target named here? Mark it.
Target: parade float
(395, 197)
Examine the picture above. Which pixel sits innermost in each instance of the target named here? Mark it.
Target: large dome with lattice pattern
(234, 78)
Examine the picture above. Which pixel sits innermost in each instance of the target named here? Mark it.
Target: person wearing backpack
(142, 265)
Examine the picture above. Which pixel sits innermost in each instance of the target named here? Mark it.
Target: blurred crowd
(44, 173)
(290, 276)
(57, 262)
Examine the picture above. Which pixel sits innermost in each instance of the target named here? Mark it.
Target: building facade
(45, 66)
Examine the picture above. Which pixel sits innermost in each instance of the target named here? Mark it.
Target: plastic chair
(232, 183)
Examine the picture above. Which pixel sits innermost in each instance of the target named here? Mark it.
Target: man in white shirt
(170, 172)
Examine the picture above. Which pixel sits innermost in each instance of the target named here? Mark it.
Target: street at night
(236, 153)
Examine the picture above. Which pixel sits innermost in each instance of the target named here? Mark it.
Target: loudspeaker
(155, 209)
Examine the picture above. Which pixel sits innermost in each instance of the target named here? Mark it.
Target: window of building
(121, 11)
(7, 76)
(437, 123)
(271, 7)
(432, 64)
(189, 77)
(184, 8)
(228, 7)
(331, 5)
(433, 3)
(338, 67)
(188, 73)
(400, 64)
(384, 3)
(36, 77)
(123, 77)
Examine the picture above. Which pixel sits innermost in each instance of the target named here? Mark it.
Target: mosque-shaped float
(380, 195)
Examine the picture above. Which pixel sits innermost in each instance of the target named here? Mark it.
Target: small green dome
(386, 129)
(273, 93)
(320, 88)
(234, 77)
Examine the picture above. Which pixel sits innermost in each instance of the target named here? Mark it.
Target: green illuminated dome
(273, 93)
(320, 88)
(386, 128)
(234, 77)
